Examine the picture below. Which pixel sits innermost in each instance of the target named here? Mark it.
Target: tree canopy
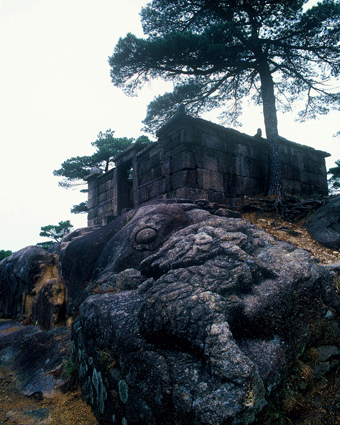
(5, 253)
(75, 169)
(218, 52)
(55, 232)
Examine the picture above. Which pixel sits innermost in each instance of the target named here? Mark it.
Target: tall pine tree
(217, 52)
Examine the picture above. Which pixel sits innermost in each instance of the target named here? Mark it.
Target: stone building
(197, 159)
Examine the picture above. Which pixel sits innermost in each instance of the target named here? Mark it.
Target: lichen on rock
(214, 313)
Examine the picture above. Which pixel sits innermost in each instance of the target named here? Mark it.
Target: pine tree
(218, 52)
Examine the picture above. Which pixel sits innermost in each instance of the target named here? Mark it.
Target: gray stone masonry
(197, 159)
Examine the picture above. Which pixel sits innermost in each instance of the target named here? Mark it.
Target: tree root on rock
(289, 208)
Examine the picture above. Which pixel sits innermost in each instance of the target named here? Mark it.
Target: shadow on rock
(202, 317)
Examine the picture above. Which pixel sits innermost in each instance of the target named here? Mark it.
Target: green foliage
(219, 52)
(71, 367)
(56, 232)
(4, 254)
(108, 147)
(70, 371)
(75, 169)
(335, 178)
(46, 245)
(215, 52)
(79, 208)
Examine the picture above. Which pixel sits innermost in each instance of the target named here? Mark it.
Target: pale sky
(56, 95)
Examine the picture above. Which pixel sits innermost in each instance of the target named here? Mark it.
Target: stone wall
(111, 193)
(196, 159)
(101, 197)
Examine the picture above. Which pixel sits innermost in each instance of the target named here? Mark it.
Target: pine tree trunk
(270, 122)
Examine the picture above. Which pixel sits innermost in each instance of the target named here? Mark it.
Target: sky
(56, 95)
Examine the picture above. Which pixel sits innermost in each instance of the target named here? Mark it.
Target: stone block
(229, 147)
(92, 203)
(207, 159)
(156, 172)
(92, 193)
(108, 207)
(314, 181)
(322, 186)
(153, 191)
(216, 181)
(311, 166)
(286, 151)
(165, 156)
(257, 169)
(259, 153)
(242, 166)
(306, 177)
(190, 193)
(144, 167)
(145, 178)
(229, 183)
(184, 178)
(289, 172)
(101, 189)
(242, 149)
(181, 148)
(218, 197)
(213, 142)
(293, 187)
(299, 160)
(142, 194)
(100, 210)
(165, 168)
(183, 161)
(92, 183)
(102, 197)
(252, 187)
(207, 179)
(226, 163)
(157, 188)
(92, 213)
(171, 143)
(191, 136)
(91, 222)
(154, 160)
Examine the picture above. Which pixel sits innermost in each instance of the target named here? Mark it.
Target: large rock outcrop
(30, 287)
(95, 259)
(324, 224)
(201, 317)
(181, 316)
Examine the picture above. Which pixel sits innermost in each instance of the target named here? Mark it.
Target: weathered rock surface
(185, 317)
(36, 358)
(95, 259)
(201, 327)
(22, 276)
(324, 224)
